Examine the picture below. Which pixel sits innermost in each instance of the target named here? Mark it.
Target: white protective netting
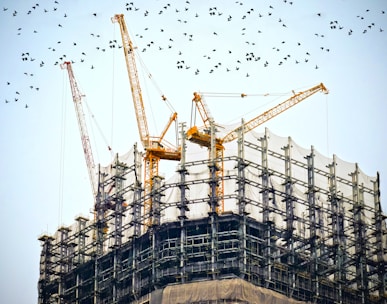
(197, 192)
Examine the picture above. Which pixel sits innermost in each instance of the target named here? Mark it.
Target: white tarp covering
(199, 191)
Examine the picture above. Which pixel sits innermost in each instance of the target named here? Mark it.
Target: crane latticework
(203, 138)
(156, 148)
(87, 150)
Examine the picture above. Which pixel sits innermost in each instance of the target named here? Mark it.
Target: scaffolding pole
(183, 207)
(330, 247)
(269, 226)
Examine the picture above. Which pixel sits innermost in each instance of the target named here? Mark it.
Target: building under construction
(291, 226)
(259, 220)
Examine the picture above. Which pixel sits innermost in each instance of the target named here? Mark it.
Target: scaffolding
(295, 223)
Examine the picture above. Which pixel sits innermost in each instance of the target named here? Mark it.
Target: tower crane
(156, 147)
(77, 98)
(203, 138)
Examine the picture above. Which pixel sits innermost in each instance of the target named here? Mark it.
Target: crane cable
(241, 95)
(244, 95)
(62, 151)
(145, 88)
(327, 121)
(163, 97)
(113, 96)
(91, 115)
(262, 105)
(92, 119)
(150, 76)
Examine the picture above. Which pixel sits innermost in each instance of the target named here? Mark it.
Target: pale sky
(252, 47)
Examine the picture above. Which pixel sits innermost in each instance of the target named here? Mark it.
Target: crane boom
(77, 98)
(156, 147)
(273, 112)
(204, 138)
(202, 109)
(134, 80)
(172, 118)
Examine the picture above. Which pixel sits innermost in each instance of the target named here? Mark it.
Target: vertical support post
(63, 260)
(64, 233)
(289, 200)
(339, 240)
(266, 211)
(151, 169)
(116, 270)
(213, 206)
(156, 202)
(154, 243)
(136, 204)
(360, 236)
(136, 221)
(77, 288)
(183, 207)
(379, 219)
(118, 214)
(241, 165)
(45, 269)
(118, 199)
(100, 228)
(100, 221)
(80, 254)
(96, 297)
(313, 238)
(156, 199)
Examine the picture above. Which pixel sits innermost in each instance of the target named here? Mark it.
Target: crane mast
(156, 147)
(77, 98)
(204, 138)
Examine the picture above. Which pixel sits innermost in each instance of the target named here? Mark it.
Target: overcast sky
(253, 47)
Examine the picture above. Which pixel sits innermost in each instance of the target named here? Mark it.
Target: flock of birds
(232, 34)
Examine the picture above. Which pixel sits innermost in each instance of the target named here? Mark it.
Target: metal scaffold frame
(111, 259)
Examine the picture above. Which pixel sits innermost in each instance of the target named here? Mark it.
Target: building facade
(292, 225)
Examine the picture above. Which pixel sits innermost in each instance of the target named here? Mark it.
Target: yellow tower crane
(203, 138)
(156, 147)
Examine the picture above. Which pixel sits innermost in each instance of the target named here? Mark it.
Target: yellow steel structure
(204, 138)
(155, 147)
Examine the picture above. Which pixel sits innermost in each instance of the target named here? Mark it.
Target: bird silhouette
(236, 22)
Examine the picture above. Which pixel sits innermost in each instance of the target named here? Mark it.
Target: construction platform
(295, 226)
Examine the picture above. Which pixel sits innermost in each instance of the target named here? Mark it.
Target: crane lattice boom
(134, 81)
(77, 98)
(273, 112)
(202, 109)
(156, 148)
(204, 138)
